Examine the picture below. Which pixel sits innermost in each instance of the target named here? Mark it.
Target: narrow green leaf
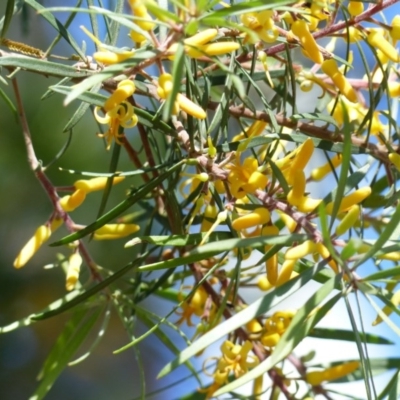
(177, 74)
(315, 117)
(383, 238)
(57, 25)
(341, 334)
(181, 240)
(10, 10)
(65, 347)
(43, 67)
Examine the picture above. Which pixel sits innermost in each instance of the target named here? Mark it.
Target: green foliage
(207, 104)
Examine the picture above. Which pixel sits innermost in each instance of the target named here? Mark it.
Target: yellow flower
(74, 266)
(355, 8)
(94, 184)
(259, 216)
(119, 113)
(105, 56)
(115, 231)
(311, 50)
(378, 41)
(182, 103)
(262, 24)
(41, 235)
(315, 378)
(330, 68)
(395, 300)
(198, 45)
(347, 202)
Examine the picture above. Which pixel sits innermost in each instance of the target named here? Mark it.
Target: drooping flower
(119, 113)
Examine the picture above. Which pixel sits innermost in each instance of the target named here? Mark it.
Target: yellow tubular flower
(270, 339)
(125, 89)
(213, 49)
(94, 184)
(388, 310)
(285, 274)
(301, 30)
(315, 378)
(319, 173)
(115, 231)
(253, 326)
(189, 107)
(395, 31)
(348, 201)
(263, 284)
(271, 265)
(209, 216)
(70, 202)
(296, 195)
(255, 129)
(107, 57)
(202, 37)
(394, 89)
(303, 155)
(300, 251)
(349, 220)
(330, 68)
(259, 216)
(221, 217)
(74, 266)
(41, 235)
(395, 159)
(324, 253)
(258, 387)
(355, 8)
(378, 41)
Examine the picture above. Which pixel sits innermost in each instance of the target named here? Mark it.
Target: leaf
(315, 117)
(383, 238)
(6, 20)
(43, 67)
(341, 334)
(57, 25)
(177, 74)
(181, 240)
(73, 335)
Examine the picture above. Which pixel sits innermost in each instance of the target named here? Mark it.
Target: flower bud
(378, 41)
(107, 57)
(259, 216)
(315, 378)
(189, 107)
(395, 159)
(301, 30)
(301, 250)
(115, 231)
(349, 220)
(69, 203)
(330, 68)
(395, 300)
(91, 185)
(41, 235)
(319, 173)
(124, 90)
(74, 266)
(355, 8)
(348, 201)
